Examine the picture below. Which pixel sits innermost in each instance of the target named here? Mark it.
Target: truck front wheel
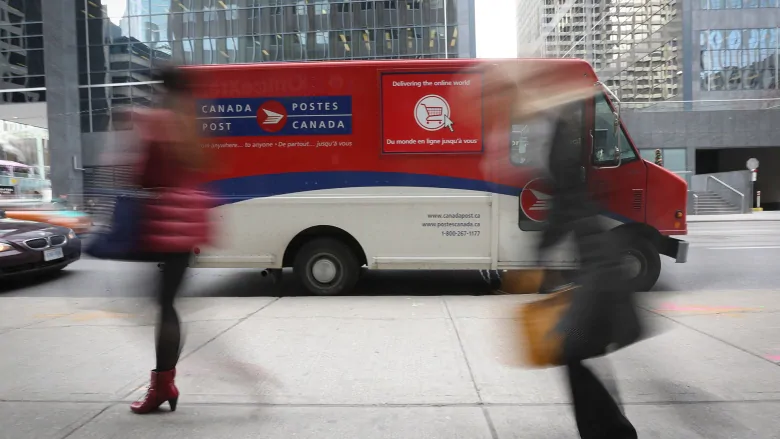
(326, 267)
(642, 263)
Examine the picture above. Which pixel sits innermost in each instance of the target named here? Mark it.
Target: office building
(634, 45)
(21, 51)
(250, 31)
(736, 52)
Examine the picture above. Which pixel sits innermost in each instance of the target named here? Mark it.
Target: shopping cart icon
(432, 113)
(435, 114)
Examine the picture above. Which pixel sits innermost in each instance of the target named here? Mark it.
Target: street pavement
(723, 255)
(769, 215)
(726, 255)
(418, 355)
(375, 367)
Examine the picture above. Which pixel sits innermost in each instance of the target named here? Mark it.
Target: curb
(731, 220)
(760, 216)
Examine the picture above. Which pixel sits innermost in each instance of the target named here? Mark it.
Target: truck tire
(642, 263)
(326, 267)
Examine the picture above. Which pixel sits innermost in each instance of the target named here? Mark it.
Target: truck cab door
(617, 176)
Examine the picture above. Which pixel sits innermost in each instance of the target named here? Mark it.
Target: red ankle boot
(161, 389)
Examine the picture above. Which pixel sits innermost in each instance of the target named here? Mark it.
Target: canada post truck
(331, 167)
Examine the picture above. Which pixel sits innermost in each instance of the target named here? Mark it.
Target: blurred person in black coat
(602, 315)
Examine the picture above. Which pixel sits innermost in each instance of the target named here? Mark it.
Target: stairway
(709, 203)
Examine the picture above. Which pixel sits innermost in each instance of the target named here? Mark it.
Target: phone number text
(456, 233)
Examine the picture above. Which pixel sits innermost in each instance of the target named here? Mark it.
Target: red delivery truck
(421, 164)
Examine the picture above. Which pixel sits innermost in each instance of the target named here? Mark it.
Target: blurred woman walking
(173, 221)
(602, 314)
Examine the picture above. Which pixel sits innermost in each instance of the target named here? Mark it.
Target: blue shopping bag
(120, 241)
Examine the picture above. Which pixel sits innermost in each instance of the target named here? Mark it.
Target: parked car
(28, 247)
(58, 213)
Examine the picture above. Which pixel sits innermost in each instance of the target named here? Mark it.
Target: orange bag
(542, 345)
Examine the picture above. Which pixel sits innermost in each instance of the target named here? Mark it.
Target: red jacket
(177, 219)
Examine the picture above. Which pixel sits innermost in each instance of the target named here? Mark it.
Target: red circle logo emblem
(271, 116)
(536, 198)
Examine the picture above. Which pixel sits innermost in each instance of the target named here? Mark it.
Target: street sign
(7, 190)
(752, 164)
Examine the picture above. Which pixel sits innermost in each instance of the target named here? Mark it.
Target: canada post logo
(287, 116)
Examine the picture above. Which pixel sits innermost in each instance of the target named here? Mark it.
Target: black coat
(571, 198)
(603, 314)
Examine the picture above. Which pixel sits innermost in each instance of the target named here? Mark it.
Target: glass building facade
(736, 47)
(738, 4)
(117, 54)
(21, 51)
(739, 59)
(634, 45)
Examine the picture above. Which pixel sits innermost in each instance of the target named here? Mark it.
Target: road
(426, 359)
(728, 255)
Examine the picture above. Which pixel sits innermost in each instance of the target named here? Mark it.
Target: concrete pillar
(62, 95)
(39, 154)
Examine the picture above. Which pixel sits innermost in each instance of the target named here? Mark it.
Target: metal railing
(730, 194)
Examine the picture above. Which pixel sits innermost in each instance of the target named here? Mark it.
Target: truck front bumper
(676, 249)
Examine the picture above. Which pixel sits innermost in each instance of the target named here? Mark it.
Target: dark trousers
(168, 346)
(597, 413)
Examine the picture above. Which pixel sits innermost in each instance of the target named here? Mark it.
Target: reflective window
(673, 159)
(736, 59)
(130, 43)
(628, 45)
(647, 154)
(738, 4)
(21, 51)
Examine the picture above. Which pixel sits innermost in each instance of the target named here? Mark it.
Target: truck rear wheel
(326, 267)
(642, 263)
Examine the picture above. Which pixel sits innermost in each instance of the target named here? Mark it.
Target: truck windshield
(604, 140)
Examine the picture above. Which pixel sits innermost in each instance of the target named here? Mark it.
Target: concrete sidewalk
(375, 367)
(755, 216)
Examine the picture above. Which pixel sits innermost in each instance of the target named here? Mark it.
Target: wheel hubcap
(324, 271)
(632, 265)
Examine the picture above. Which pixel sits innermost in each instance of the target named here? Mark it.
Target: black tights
(597, 413)
(169, 327)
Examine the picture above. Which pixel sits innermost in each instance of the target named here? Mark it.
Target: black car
(28, 247)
